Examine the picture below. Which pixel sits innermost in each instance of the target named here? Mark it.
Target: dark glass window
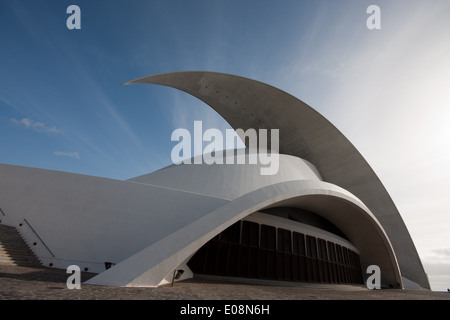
(299, 243)
(250, 234)
(232, 234)
(268, 237)
(345, 256)
(331, 251)
(322, 249)
(311, 248)
(339, 254)
(284, 240)
(248, 249)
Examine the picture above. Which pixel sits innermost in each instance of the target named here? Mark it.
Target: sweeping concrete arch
(152, 265)
(304, 133)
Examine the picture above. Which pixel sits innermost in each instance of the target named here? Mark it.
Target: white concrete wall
(87, 221)
(149, 230)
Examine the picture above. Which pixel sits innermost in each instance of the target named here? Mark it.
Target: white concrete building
(324, 217)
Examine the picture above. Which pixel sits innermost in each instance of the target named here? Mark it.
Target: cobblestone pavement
(21, 283)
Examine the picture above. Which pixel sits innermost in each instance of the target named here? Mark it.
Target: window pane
(311, 246)
(232, 233)
(268, 239)
(254, 234)
(331, 251)
(284, 240)
(299, 243)
(250, 234)
(339, 254)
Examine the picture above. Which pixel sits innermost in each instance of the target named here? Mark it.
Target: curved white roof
(151, 224)
(228, 181)
(304, 133)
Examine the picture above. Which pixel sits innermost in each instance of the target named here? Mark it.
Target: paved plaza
(22, 283)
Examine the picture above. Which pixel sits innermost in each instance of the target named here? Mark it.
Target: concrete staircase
(14, 250)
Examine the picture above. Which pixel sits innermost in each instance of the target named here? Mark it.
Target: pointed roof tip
(132, 81)
(139, 80)
(129, 82)
(156, 78)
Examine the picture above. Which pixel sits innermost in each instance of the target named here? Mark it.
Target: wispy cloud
(36, 126)
(67, 154)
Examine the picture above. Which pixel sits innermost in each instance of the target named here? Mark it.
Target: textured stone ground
(21, 283)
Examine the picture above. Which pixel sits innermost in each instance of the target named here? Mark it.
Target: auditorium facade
(323, 217)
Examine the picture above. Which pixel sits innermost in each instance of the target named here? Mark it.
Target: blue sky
(62, 105)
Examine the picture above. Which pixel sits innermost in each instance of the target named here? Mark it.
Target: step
(14, 250)
(13, 246)
(7, 233)
(7, 262)
(17, 254)
(18, 262)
